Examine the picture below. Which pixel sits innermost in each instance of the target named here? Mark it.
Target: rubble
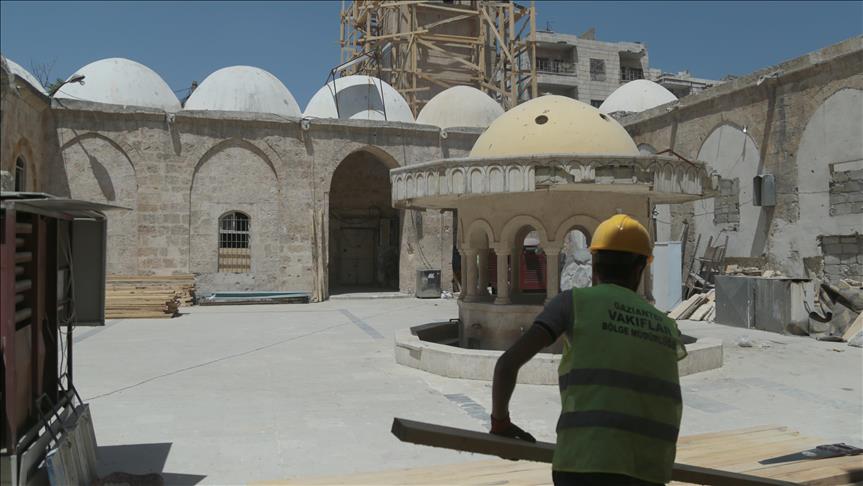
(699, 307)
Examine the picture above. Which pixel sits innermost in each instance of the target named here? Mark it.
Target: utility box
(428, 284)
(764, 190)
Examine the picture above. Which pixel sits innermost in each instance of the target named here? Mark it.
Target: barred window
(234, 243)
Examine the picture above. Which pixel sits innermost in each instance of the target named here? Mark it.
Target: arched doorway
(364, 232)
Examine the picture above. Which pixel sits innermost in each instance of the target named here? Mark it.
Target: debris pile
(699, 307)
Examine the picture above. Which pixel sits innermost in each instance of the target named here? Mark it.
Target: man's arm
(506, 373)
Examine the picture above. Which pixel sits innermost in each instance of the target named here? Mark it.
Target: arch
(233, 143)
(364, 235)
(99, 169)
(24, 151)
(216, 189)
(515, 224)
(829, 149)
(735, 156)
(587, 224)
(121, 147)
(479, 227)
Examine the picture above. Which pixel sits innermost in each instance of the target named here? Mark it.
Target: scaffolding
(423, 47)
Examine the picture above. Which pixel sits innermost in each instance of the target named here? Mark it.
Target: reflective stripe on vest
(619, 385)
(620, 379)
(629, 423)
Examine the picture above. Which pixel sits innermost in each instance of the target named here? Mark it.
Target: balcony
(554, 66)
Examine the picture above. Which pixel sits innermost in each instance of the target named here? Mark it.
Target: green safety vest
(619, 387)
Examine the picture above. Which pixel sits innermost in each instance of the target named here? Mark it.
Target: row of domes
(121, 81)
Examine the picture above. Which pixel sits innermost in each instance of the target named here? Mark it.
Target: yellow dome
(550, 125)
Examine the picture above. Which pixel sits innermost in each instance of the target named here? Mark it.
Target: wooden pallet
(736, 451)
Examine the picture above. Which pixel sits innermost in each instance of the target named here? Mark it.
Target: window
(20, 175)
(595, 103)
(234, 248)
(631, 74)
(597, 70)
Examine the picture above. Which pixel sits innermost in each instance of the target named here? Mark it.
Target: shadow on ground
(142, 459)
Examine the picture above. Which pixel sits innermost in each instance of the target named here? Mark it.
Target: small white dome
(15, 68)
(460, 106)
(636, 96)
(360, 98)
(119, 81)
(243, 88)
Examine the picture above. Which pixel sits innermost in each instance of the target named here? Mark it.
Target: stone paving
(233, 394)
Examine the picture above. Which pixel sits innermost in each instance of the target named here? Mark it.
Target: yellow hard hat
(622, 233)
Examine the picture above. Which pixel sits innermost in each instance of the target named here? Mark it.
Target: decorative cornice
(484, 176)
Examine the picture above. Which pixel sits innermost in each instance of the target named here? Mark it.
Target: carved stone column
(470, 274)
(552, 269)
(483, 273)
(502, 277)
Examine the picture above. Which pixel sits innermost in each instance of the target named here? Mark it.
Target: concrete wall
(799, 121)
(178, 173)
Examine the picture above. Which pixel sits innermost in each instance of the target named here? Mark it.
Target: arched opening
(528, 270)
(235, 243)
(364, 230)
(20, 175)
(575, 260)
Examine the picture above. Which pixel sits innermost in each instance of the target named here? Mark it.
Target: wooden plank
(854, 328)
(484, 443)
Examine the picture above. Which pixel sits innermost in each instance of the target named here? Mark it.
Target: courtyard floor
(234, 394)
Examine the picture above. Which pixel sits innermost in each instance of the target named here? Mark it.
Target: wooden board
(736, 451)
(854, 328)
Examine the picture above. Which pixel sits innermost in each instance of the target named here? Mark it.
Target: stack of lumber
(147, 296)
(699, 307)
(748, 456)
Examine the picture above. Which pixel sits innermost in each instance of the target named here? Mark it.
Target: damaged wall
(799, 121)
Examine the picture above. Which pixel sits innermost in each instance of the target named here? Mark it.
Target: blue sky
(298, 41)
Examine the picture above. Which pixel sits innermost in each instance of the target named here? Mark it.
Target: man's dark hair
(617, 265)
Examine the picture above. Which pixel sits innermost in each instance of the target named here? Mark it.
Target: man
(619, 386)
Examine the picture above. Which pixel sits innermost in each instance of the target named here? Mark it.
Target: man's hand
(505, 428)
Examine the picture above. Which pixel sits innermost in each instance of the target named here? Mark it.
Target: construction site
(233, 289)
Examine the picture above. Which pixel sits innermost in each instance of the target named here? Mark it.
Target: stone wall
(843, 257)
(795, 120)
(846, 192)
(27, 135)
(178, 173)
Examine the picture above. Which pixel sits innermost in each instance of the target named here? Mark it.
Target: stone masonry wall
(802, 116)
(846, 192)
(177, 173)
(843, 257)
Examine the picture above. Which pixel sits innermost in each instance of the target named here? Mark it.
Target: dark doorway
(364, 227)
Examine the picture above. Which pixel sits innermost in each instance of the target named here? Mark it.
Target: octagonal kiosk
(538, 181)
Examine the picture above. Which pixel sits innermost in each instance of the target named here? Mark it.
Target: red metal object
(532, 270)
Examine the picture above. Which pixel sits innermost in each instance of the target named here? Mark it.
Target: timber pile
(147, 296)
(699, 307)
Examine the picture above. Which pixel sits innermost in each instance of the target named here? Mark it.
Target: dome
(119, 81)
(15, 68)
(550, 125)
(460, 106)
(636, 96)
(243, 88)
(360, 98)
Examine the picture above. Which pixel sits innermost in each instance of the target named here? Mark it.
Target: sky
(298, 41)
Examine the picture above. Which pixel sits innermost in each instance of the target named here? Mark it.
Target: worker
(619, 385)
